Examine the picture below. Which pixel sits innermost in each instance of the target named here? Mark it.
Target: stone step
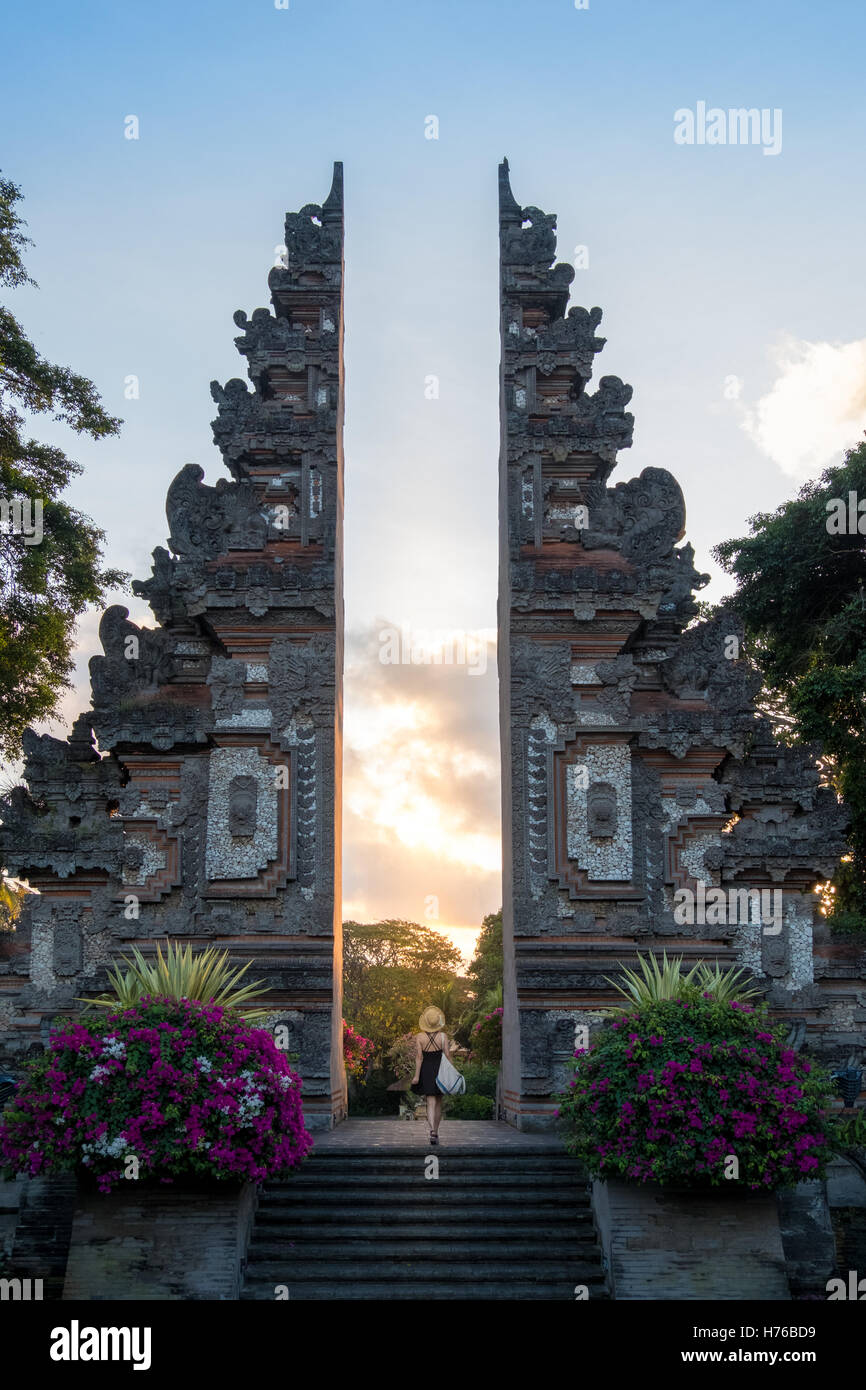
(488, 1290)
(440, 1246)
(335, 1217)
(500, 1154)
(426, 1195)
(368, 1224)
(374, 1270)
(401, 1181)
(410, 1168)
(471, 1158)
(384, 1226)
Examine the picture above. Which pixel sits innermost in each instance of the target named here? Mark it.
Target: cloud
(421, 808)
(816, 407)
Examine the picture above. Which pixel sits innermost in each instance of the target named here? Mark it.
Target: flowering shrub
(186, 1088)
(665, 1094)
(486, 1037)
(402, 1057)
(357, 1051)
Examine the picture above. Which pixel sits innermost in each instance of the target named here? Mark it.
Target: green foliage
(849, 1131)
(357, 1051)
(401, 1057)
(11, 900)
(669, 981)
(493, 999)
(391, 970)
(469, 1107)
(452, 998)
(486, 1037)
(483, 978)
(480, 1078)
(371, 1096)
(485, 971)
(207, 978)
(478, 1101)
(801, 598)
(44, 587)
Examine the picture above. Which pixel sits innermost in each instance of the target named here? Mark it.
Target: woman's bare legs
(434, 1113)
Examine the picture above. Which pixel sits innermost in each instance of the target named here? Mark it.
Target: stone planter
(683, 1244)
(148, 1240)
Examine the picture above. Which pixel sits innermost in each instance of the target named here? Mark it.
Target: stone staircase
(359, 1223)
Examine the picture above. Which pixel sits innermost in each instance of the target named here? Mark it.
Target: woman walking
(431, 1044)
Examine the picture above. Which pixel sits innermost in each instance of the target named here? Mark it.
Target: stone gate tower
(633, 762)
(212, 810)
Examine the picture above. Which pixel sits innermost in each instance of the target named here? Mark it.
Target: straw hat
(431, 1020)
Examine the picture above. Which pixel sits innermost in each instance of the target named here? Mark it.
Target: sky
(728, 275)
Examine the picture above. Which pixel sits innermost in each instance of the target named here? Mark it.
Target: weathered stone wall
(40, 1245)
(212, 810)
(663, 1244)
(160, 1243)
(807, 1237)
(635, 769)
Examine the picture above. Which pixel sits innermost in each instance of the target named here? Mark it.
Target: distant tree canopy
(45, 584)
(391, 971)
(483, 978)
(800, 575)
(485, 971)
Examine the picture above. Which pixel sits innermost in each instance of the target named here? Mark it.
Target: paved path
(393, 1133)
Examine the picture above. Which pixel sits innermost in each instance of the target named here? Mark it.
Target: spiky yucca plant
(493, 998)
(12, 895)
(206, 978)
(669, 981)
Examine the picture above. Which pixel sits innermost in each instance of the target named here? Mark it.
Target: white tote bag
(448, 1078)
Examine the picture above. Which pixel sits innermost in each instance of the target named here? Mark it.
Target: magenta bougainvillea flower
(487, 1037)
(357, 1050)
(181, 1087)
(676, 1090)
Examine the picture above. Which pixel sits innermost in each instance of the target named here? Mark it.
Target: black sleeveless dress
(426, 1083)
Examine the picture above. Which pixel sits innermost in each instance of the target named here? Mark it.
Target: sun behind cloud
(421, 827)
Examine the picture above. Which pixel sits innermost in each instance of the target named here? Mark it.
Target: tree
(800, 575)
(484, 977)
(47, 579)
(452, 998)
(485, 971)
(390, 972)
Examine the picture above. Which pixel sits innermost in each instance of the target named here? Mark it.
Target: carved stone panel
(243, 803)
(242, 792)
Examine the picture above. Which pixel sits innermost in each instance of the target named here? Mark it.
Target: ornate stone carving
(635, 765)
(601, 810)
(533, 241)
(208, 521)
(302, 675)
(243, 801)
(642, 518)
(203, 815)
